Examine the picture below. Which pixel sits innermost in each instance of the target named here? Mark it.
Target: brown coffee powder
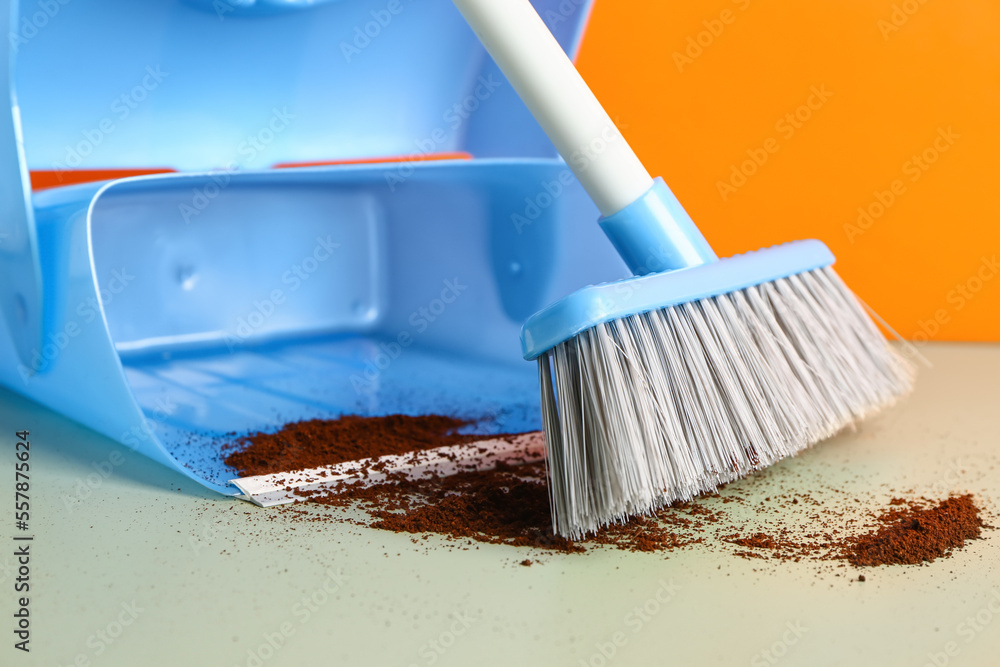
(510, 504)
(322, 442)
(921, 531)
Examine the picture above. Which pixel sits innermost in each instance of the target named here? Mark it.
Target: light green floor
(207, 578)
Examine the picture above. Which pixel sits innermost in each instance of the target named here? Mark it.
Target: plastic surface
(187, 307)
(225, 8)
(655, 233)
(193, 86)
(559, 98)
(602, 303)
(21, 300)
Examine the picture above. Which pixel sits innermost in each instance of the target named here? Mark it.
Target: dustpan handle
(559, 98)
(20, 270)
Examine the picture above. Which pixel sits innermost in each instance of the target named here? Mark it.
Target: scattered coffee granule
(506, 505)
(322, 442)
(861, 577)
(920, 532)
(526, 562)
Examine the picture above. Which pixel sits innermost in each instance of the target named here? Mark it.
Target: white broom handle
(559, 98)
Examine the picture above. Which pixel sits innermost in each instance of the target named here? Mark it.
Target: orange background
(891, 92)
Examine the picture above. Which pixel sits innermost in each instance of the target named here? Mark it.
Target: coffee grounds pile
(921, 531)
(322, 442)
(510, 504)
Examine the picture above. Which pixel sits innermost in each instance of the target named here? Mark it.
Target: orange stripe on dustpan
(42, 179)
(378, 160)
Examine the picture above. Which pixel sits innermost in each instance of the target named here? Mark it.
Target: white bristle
(662, 406)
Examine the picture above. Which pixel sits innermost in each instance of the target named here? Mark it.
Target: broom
(696, 371)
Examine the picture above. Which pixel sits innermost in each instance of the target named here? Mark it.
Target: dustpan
(174, 311)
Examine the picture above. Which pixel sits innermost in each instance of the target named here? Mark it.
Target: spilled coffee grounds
(322, 442)
(506, 505)
(916, 533)
(510, 504)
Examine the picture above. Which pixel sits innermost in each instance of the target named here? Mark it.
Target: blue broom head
(697, 371)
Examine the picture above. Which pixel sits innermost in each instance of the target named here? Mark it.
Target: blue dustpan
(170, 311)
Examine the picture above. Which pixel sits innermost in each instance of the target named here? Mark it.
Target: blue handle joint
(654, 233)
